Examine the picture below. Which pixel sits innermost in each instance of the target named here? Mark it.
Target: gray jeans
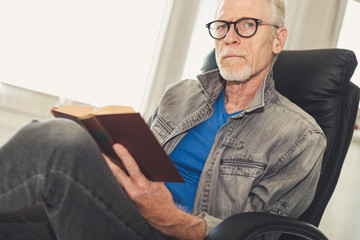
(56, 162)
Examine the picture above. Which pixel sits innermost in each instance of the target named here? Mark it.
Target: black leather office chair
(319, 82)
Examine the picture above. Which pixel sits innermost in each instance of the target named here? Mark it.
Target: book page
(113, 109)
(75, 110)
(88, 111)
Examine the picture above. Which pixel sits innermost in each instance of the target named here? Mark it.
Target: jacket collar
(213, 84)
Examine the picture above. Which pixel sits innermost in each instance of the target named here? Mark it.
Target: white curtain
(171, 57)
(314, 24)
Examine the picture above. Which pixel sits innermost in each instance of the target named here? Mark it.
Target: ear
(279, 40)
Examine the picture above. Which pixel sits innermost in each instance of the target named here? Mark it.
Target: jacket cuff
(211, 222)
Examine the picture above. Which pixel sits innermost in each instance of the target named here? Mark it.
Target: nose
(232, 37)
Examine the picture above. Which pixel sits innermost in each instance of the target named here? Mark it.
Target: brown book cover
(118, 124)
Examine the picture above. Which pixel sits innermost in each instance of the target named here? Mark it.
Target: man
(239, 144)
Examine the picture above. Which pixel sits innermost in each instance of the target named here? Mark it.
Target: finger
(110, 163)
(119, 174)
(129, 162)
(113, 167)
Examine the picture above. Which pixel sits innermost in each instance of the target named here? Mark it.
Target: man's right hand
(154, 201)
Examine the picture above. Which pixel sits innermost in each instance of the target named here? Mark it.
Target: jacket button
(239, 145)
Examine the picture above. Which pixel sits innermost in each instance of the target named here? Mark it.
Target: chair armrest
(246, 226)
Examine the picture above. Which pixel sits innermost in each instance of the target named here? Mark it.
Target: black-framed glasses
(245, 27)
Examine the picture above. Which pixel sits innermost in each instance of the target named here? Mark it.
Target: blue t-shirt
(190, 155)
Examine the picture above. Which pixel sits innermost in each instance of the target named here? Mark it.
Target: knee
(56, 133)
(51, 144)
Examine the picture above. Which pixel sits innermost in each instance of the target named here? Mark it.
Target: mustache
(229, 52)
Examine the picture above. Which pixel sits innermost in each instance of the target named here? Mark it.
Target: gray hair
(277, 17)
(278, 12)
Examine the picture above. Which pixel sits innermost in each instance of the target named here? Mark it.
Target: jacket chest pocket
(236, 161)
(241, 167)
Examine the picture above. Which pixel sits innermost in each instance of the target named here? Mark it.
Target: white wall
(341, 219)
(314, 24)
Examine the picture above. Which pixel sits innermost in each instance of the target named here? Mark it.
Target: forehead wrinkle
(234, 12)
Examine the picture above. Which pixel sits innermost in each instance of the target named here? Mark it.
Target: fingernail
(117, 147)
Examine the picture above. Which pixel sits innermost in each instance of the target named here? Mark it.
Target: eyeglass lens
(244, 27)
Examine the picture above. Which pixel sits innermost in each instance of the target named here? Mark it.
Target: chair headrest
(315, 80)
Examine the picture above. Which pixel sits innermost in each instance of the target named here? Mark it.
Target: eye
(246, 24)
(221, 26)
(250, 24)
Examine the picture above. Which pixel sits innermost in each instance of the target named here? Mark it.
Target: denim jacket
(265, 159)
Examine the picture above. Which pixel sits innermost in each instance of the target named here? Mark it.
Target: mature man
(238, 143)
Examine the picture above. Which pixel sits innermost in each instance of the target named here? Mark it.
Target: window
(349, 37)
(97, 52)
(74, 51)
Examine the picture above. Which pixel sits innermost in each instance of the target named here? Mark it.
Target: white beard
(239, 75)
(231, 72)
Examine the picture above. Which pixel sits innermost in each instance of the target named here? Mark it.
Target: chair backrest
(318, 81)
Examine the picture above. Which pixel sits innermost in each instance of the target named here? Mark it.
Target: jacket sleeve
(211, 222)
(289, 185)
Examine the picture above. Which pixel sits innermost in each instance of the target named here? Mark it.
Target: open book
(120, 124)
